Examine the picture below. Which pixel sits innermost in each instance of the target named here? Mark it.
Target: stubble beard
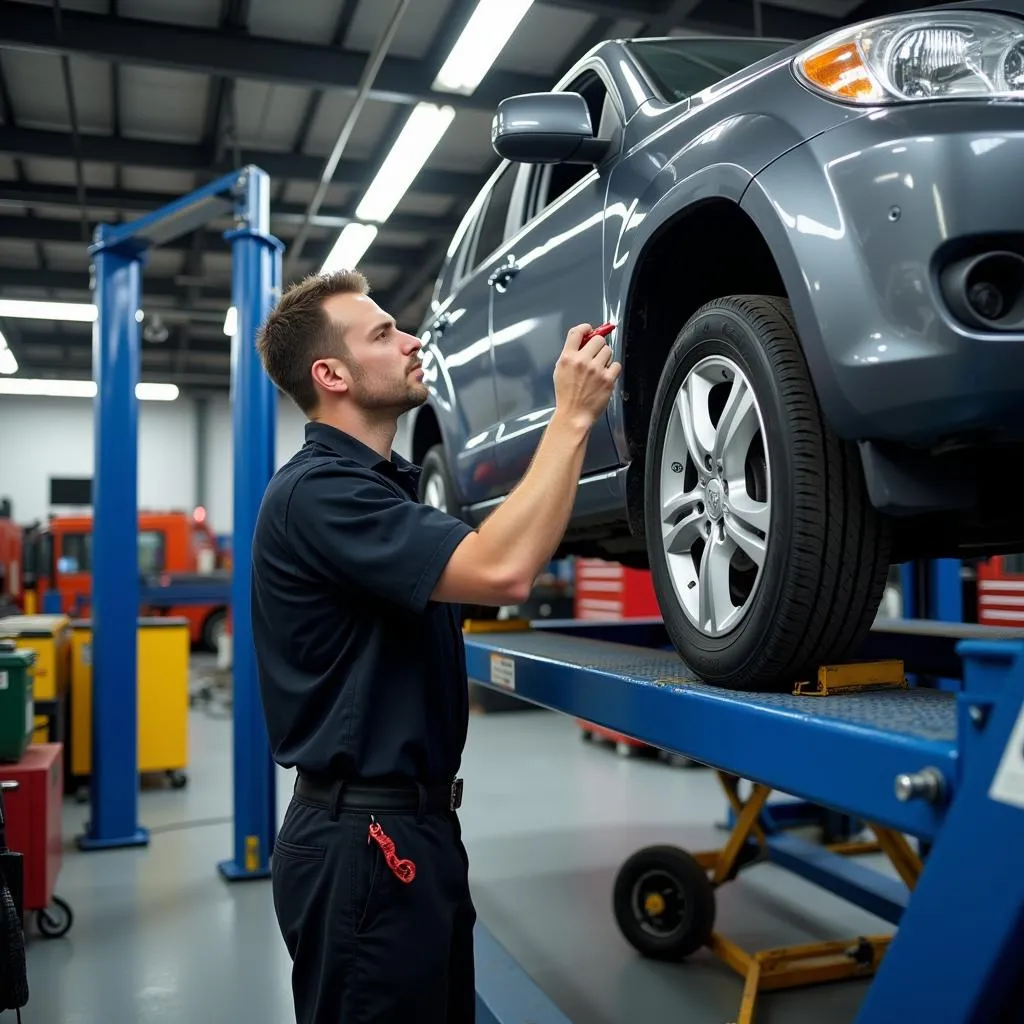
(393, 397)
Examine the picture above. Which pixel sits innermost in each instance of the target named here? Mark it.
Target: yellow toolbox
(163, 664)
(50, 637)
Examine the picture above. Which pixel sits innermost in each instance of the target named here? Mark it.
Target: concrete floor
(159, 938)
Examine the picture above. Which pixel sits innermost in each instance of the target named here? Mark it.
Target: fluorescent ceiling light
(81, 389)
(231, 321)
(350, 247)
(156, 392)
(8, 364)
(31, 309)
(423, 130)
(484, 37)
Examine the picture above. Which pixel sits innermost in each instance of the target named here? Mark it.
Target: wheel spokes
(736, 428)
(715, 495)
(715, 605)
(698, 430)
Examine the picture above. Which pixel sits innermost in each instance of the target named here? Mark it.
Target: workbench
(943, 768)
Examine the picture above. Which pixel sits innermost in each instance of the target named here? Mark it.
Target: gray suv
(813, 254)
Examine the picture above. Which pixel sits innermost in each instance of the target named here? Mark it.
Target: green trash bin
(17, 706)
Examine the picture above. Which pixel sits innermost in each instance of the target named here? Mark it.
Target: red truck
(58, 556)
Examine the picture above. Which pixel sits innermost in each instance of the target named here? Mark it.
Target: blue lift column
(255, 287)
(118, 254)
(115, 589)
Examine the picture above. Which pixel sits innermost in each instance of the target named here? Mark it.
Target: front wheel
(766, 554)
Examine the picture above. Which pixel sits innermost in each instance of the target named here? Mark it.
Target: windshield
(681, 67)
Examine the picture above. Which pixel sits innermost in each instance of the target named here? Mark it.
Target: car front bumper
(862, 220)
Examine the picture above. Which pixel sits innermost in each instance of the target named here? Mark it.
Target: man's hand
(584, 377)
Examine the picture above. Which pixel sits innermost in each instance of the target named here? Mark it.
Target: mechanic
(355, 593)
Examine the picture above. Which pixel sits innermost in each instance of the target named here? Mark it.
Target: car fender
(648, 193)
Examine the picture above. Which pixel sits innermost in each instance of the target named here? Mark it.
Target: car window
(454, 267)
(680, 68)
(492, 223)
(554, 180)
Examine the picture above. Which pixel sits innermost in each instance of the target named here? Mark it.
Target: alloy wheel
(715, 494)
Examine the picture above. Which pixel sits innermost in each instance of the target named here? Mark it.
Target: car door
(549, 277)
(457, 355)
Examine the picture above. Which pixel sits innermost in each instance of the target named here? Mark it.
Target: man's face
(383, 372)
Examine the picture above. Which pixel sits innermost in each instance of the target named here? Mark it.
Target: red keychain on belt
(604, 330)
(404, 870)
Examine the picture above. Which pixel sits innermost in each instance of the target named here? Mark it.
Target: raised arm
(498, 563)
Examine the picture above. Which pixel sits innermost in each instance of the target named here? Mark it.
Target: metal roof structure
(110, 108)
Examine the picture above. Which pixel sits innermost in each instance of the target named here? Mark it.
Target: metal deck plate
(926, 714)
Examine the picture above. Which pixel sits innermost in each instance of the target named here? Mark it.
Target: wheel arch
(426, 433)
(660, 299)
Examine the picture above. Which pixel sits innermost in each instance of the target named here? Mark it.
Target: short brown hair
(298, 333)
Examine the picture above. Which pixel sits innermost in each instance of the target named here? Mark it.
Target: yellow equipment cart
(163, 665)
(50, 637)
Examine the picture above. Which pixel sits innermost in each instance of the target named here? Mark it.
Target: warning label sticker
(503, 672)
(1008, 782)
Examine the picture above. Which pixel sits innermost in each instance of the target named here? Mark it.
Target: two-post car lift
(943, 768)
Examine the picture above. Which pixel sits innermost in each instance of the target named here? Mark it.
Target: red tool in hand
(604, 330)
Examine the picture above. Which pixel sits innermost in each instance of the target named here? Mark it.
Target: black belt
(366, 796)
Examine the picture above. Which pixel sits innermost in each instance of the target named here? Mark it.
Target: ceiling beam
(223, 52)
(644, 10)
(729, 17)
(25, 196)
(781, 22)
(38, 229)
(82, 340)
(176, 156)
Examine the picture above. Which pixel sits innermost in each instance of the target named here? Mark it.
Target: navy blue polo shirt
(361, 675)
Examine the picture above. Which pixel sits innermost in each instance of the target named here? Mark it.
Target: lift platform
(943, 768)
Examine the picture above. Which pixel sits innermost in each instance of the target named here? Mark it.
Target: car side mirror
(546, 128)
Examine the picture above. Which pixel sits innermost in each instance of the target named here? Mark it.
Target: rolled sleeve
(347, 524)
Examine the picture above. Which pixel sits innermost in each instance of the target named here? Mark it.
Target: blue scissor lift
(858, 745)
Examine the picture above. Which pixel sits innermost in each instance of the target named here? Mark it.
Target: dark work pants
(364, 945)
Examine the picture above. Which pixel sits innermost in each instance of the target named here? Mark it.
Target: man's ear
(331, 376)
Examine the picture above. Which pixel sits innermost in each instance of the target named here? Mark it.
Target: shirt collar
(350, 447)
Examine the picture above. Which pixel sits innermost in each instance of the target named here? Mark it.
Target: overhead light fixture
(349, 249)
(424, 129)
(32, 309)
(488, 30)
(8, 364)
(80, 389)
(231, 321)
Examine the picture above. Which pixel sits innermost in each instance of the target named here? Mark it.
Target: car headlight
(929, 56)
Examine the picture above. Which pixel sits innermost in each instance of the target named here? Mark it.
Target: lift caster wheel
(178, 780)
(664, 903)
(55, 920)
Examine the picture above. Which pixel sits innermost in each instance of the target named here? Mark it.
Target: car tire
(437, 488)
(214, 626)
(798, 557)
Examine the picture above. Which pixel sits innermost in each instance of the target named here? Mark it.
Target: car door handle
(500, 277)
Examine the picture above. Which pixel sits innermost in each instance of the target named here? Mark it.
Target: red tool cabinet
(610, 591)
(33, 813)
